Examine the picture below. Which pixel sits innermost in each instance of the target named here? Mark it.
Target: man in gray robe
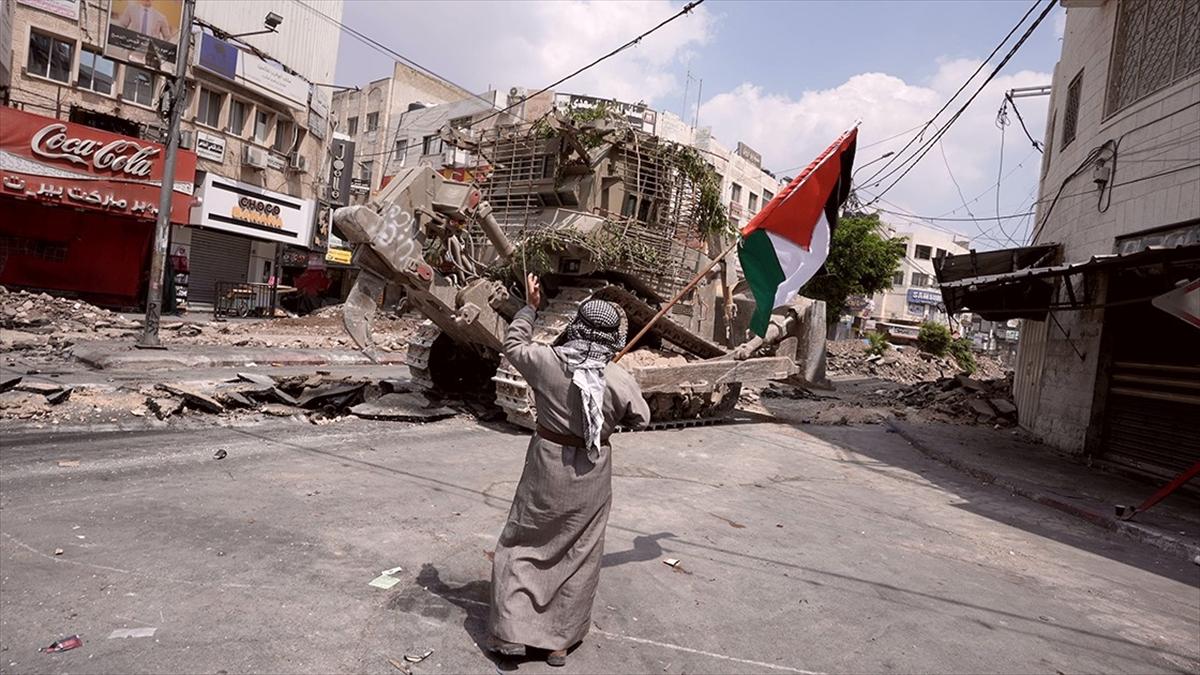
(547, 562)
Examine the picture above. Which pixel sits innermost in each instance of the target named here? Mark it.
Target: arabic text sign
(77, 165)
(918, 296)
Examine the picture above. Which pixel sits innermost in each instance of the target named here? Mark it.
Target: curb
(112, 360)
(1135, 531)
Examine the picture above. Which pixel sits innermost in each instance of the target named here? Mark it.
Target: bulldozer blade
(358, 312)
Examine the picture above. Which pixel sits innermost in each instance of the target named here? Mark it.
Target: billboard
(637, 114)
(252, 211)
(144, 31)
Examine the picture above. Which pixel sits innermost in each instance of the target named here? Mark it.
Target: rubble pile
(964, 399)
(903, 364)
(317, 398)
(315, 331)
(41, 325)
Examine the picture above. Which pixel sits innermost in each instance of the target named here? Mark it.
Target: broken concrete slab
(280, 410)
(236, 399)
(59, 396)
(43, 388)
(9, 384)
(981, 407)
(397, 386)
(1003, 406)
(332, 394)
(256, 378)
(401, 407)
(970, 383)
(194, 398)
(164, 406)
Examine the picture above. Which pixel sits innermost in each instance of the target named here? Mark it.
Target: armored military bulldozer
(598, 210)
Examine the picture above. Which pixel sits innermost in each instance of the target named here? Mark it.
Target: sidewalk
(112, 355)
(1039, 474)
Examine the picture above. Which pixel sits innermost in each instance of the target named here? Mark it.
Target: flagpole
(678, 296)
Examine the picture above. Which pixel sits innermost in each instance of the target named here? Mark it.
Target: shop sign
(339, 255)
(360, 186)
(251, 211)
(209, 146)
(43, 158)
(637, 114)
(264, 77)
(144, 32)
(918, 296)
(341, 155)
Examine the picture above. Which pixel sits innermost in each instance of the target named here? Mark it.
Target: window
(96, 73)
(262, 126)
(463, 122)
(922, 252)
(367, 168)
(941, 253)
(50, 57)
(735, 193)
(1154, 45)
(208, 112)
(139, 85)
(1071, 114)
(352, 126)
(901, 247)
(431, 145)
(920, 279)
(898, 279)
(285, 136)
(767, 197)
(372, 121)
(238, 112)
(753, 203)
(401, 152)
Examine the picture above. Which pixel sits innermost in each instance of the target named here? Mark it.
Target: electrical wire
(950, 100)
(916, 159)
(1037, 145)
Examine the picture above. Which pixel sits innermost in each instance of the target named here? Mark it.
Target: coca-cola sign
(125, 157)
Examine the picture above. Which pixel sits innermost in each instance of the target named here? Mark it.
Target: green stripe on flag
(763, 273)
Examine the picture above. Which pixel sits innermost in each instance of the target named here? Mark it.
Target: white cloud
(533, 43)
(790, 131)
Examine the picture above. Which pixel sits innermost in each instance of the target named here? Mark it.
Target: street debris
(417, 658)
(122, 633)
(400, 666)
(65, 644)
(220, 454)
(401, 407)
(68, 463)
(671, 562)
(964, 399)
(386, 580)
(58, 551)
(905, 365)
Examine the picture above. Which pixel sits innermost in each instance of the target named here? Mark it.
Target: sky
(784, 77)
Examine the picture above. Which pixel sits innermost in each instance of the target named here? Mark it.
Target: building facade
(257, 124)
(369, 118)
(1101, 369)
(914, 297)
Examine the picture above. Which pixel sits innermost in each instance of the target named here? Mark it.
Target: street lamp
(271, 22)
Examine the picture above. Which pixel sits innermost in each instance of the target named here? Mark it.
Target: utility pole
(162, 228)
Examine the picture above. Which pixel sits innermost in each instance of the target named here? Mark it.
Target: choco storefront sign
(56, 162)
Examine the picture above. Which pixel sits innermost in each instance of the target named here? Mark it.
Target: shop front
(239, 234)
(78, 207)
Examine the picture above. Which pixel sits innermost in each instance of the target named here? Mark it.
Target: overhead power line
(950, 100)
(916, 159)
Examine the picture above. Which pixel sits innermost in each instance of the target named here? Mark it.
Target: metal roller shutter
(214, 257)
(1153, 417)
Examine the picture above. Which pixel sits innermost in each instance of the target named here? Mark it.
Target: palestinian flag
(786, 243)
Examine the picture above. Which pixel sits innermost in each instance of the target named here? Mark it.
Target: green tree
(934, 338)
(861, 261)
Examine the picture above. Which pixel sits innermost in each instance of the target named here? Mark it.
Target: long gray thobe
(547, 561)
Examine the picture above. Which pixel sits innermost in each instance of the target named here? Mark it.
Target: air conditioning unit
(187, 140)
(298, 163)
(254, 157)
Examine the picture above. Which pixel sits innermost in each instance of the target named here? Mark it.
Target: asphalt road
(803, 549)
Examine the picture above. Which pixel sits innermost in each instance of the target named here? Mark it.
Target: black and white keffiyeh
(587, 345)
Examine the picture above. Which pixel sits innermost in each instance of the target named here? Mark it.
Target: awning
(1026, 291)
